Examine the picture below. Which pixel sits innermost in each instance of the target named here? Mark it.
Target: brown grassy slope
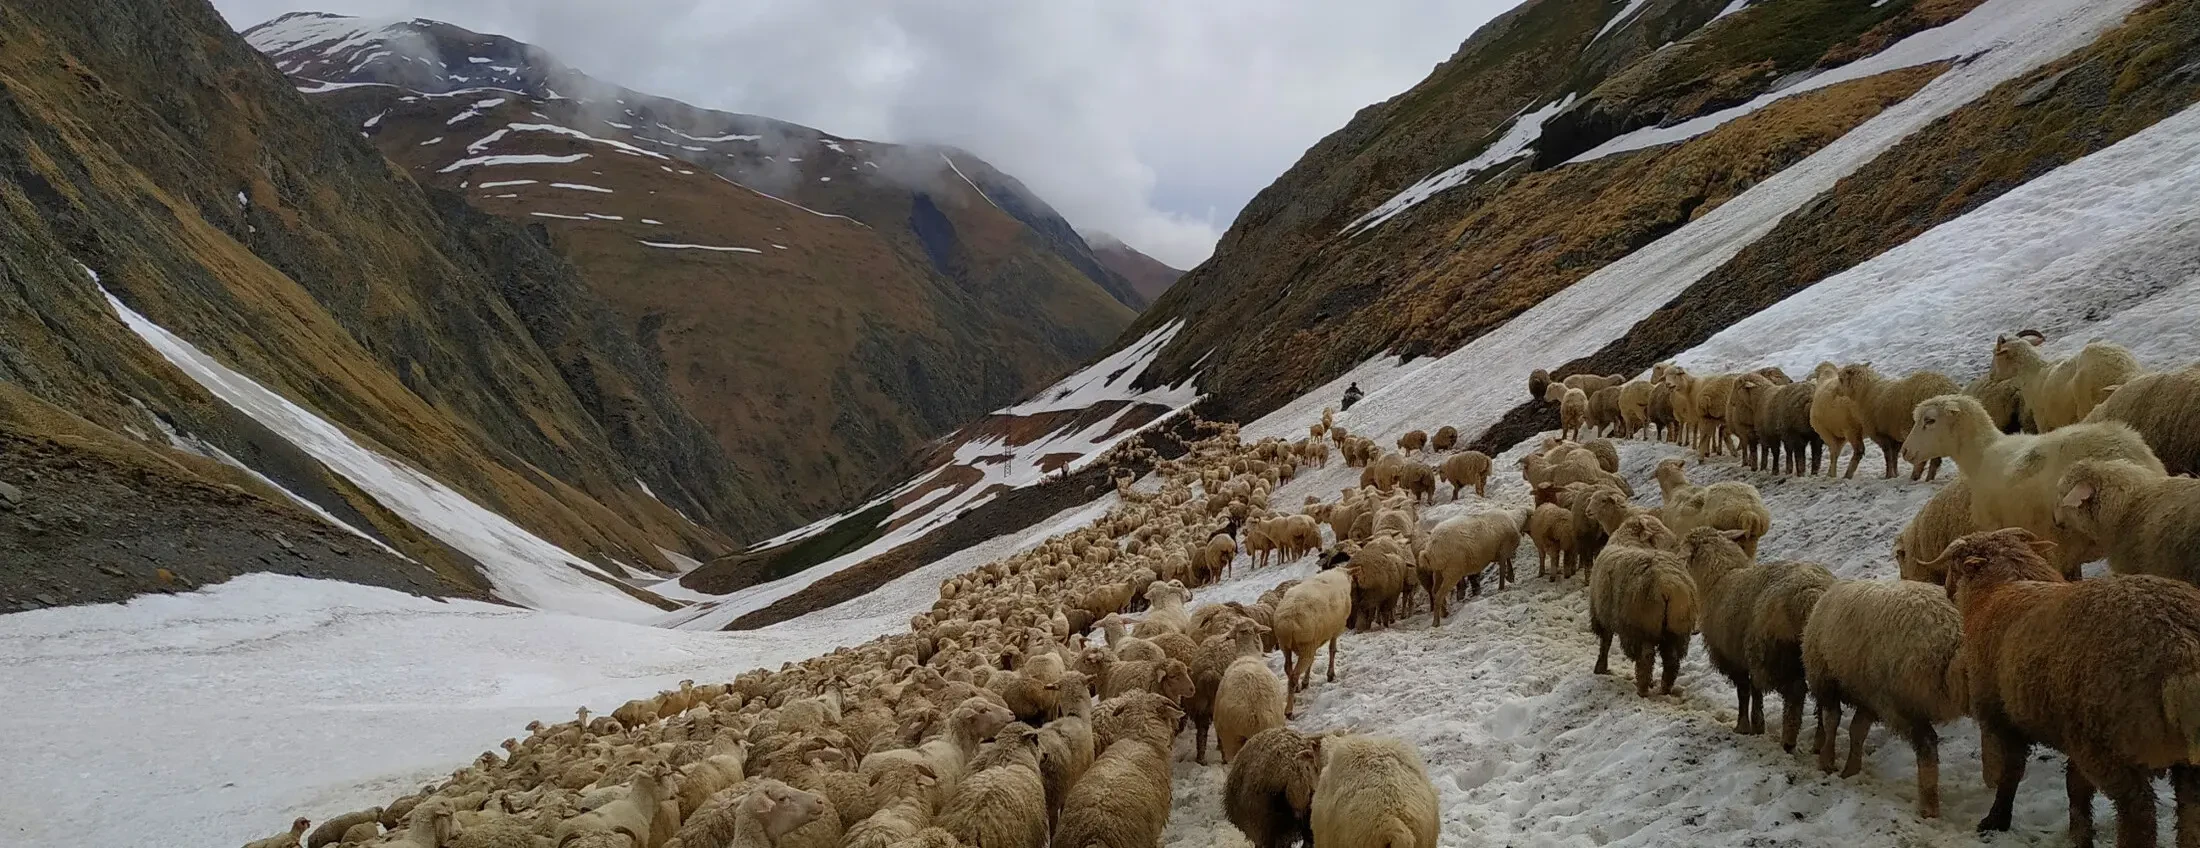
(126, 130)
(820, 363)
(1146, 274)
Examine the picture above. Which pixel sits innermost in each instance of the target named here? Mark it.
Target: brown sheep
(1784, 432)
(1269, 794)
(1468, 468)
(1604, 411)
(1446, 438)
(1887, 406)
(2105, 670)
(1413, 441)
(1641, 592)
(1539, 382)
(1659, 413)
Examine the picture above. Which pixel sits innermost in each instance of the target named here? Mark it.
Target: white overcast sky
(1153, 120)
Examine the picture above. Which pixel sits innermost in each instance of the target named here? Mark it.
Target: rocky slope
(827, 305)
(1568, 134)
(1147, 275)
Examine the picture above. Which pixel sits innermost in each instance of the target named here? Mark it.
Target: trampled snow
(521, 567)
(1489, 375)
(1110, 380)
(1999, 26)
(671, 246)
(1514, 144)
(513, 159)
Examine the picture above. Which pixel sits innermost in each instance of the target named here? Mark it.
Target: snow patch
(668, 246)
(581, 187)
(504, 183)
(1514, 144)
(1110, 380)
(477, 110)
(513, 159)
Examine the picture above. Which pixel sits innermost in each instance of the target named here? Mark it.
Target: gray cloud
(1153, 120)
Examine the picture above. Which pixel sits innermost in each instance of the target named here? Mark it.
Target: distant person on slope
(1351, 396)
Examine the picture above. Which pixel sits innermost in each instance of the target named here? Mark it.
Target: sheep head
(1940, 424)
(1982, 560)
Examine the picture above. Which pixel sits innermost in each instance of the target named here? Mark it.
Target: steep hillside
(1147, 276)
(200, 259)
(823, 305)
(1568, 142)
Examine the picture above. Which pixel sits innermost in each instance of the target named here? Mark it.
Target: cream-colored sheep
(1311, 614)
(287, 839)
(1726, 505)
(1604, 412)
(2013, 477)
(1839, 423)
(971, 722)
(1373, 791)
(1712, 395)
(1573, 411)
(1463, 548)
(1728, 585)
(631, 815)
(1004, 804)
(2145, 522)
(2165, 409)
(1776, 643)
(1467, 468)
(1551, 527)
(1640, 592)
(1745, 407)
(1943, 518)
(1887, 408)
(1634, 407)
(2063, 393)
(1250, 699)
(1888, 648)
(1066, 745)
(332, 831)
(1166, 612)
(1413, 441)
(1123, 800)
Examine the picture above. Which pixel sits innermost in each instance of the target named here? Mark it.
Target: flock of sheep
(1039, 700)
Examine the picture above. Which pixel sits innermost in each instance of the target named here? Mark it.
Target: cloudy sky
(1154, 120)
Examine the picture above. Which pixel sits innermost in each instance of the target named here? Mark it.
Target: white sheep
(1943, 518)
(1839, 422)
(1004, 804)
(1373, 791)
(2146, 522)
(2165, 409)
(971, 722)
(1888, 648)
(1463, 547)
(1167, 612)
(1573, 409)
(332, 831)
(286, 839)
(630, 815)
(1311, 614)
(1250, 699)
(2062, 393)
(1640, 591)
(1123, 800)
(2013, 476)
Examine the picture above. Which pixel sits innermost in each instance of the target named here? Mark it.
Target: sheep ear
(2078, 495)
(1736, 535)
(2041, 546)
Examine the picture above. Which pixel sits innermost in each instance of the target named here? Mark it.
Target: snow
(324, 86)
(193, 445)
(521, 567)
(2107, 246)
(602, 217)
(514, 159)
(477, 110)
(242, 200)
(484, 142)
(435, 140)
(1487, 376)
(669, 246)
(479, 60)
(329, 34)
(1625, 15)
(2007, 30)
(1731, 8)
(791, 203)
(504, 183)
(558, 216)
(581, 187)
(965, 178)
(269, 697)
(1110, 380)
(376, 120)
(653, 222)
(1514, 144)
(711, 139)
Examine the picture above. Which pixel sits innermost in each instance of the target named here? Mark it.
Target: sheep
(630, 815)
(2105, 670)
(1745, 408)
(2062, 393)
(1784, 429)
(332, 831)
(972, 721)
(1413, 441)
(2004, 402)
(1004, 804)
(1604, 411)
(1590, 508)
(1634, 407)
(1551, 527)
(1712, 396)
(1462, 548)
(1642, 594)
(1372, 791)
(288, 839)
(1165, 612)
(1169, 677)
(1445, 438)
(427, 825)
(1606, 453)
(1890, 650)
(759, 818)
(1539, 383)
(1419, 481)
(1312, 613)
(2147, 523)
(1784, 608)
(1249, 700)
(1593, 383)
(1839, 422)
(1467, 468)
(1123, 800)
(1886, 408)
(2165, 409)
(1726, 505)
(1215, 657)
(361, 833)
(1942, 518)
(1269, 794)
(1573, 409)
(1066, 745)
(1659, 412)
(1729, 583)
(2013, 477)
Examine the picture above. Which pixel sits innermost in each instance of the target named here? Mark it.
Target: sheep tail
(1679, 595)
(1393, 833)
(2181, 703)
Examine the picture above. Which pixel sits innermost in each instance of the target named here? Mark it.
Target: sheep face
(1991, 558)
(1933, 432)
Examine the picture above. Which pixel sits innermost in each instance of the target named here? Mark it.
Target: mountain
(824, 306)
(1147, 275)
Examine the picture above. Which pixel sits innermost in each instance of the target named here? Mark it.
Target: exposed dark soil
(1015, 510)
(77, 527)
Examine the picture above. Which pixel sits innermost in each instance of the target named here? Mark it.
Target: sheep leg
(1644, 660)
(1333, 658)
(1199, 748)
(2186, 781)
(1741, 707)
(1829, 728)
(1791, 717)
(2011, 751)
(1855, 459)
(2131, 790)
(1604, 648)
(1756, 710)
(1927, 744)
(1890, 450)
(2081, 807)
(1860, 728)
(1670, 651)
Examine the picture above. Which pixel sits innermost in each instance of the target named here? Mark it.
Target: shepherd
(1351, 396)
